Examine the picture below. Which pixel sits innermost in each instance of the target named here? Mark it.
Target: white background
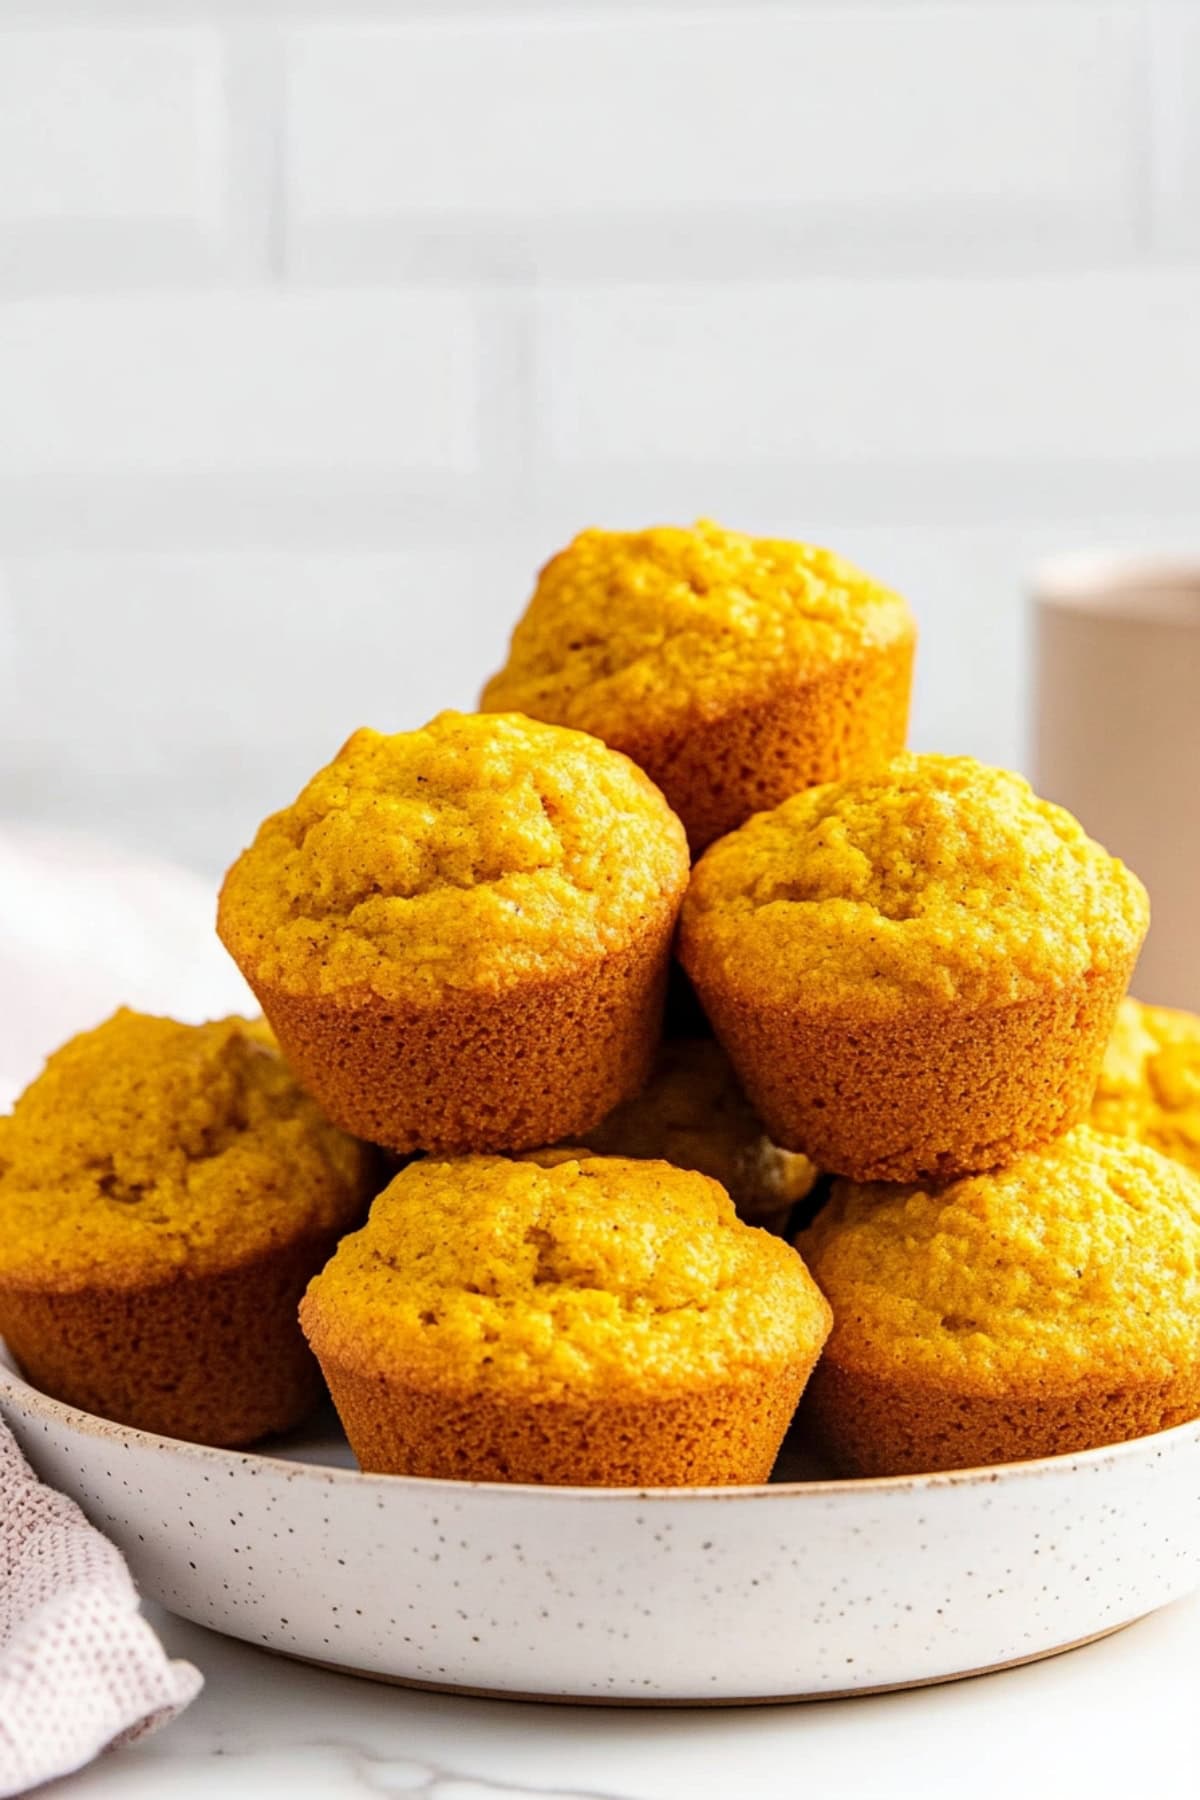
(322, 324)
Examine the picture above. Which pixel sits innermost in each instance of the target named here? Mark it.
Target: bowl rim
(16, 1392)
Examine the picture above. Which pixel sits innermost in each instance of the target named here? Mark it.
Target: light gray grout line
(9, 657)
(529, 254)
(506, 347)
(279, 172)
(1146, 173)
(144, 515)
(167, 13)
(389, 252)
(1165, 96)
(253, 175)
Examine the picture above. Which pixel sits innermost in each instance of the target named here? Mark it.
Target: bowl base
(464, 1691)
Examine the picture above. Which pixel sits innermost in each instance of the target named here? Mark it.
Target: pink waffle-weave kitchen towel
(80, 1669)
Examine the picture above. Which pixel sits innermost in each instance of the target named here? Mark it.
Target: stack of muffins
(908, 970)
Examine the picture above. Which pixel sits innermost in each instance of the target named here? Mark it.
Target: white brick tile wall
(103, 124)
(112, 144)
(182, 698)
(525, 143)
(322, 324)
(173, 700)
(824, 499)
(1084, 366)
(250, 382)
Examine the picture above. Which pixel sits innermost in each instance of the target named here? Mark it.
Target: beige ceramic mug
(1116, 722)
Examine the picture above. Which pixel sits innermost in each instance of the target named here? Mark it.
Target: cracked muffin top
(558, 1273)
(477, 852)
(147, 1147)
(1149, 1085)
(1074, 1263)
(933, 882)
(628, 628)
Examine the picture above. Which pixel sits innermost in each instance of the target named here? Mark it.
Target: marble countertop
(1115, 1718)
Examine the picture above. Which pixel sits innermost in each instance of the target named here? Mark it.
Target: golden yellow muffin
(1048, 1307)
(693, 1114)
(461, 934)
(565, 1318)
(915, 972)
(735, 670)
(166, 1192)
(1149, 1085)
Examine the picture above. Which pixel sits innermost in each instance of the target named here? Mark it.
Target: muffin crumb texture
(572, 1274)
(693, 1114)
(568, 1319)
(936, 882)
(1079, 1261)
(1048, 1307)
(1149, 1085)
(475, 853)
(148, 1148)
(676, 623)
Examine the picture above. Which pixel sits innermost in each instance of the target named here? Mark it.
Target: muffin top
(932, 882)
(567, 1274)
(1149, 1084)
(634, 629)
(146, 1148)
(476, 853)
(693, 1114)
(1078, 1262)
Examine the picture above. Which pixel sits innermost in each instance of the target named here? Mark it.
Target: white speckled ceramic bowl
(800, 1589)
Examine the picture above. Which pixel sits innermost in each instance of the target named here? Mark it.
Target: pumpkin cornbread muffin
(166, 1191)
(735, 670)
(915, 972)
(693, 1114)
(1149, 1085)
(564, 1318)
(1046, 1308)
(461, 934)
